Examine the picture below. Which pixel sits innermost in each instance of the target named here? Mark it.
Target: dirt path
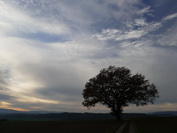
(132, 128)
(121, 128)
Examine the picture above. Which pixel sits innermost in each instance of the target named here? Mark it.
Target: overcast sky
(49, 49)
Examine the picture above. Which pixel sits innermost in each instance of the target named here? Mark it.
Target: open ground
(136, 125)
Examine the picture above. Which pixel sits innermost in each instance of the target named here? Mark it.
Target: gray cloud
(4, 97)
(51, 48)
(169, 17)
(4, 77)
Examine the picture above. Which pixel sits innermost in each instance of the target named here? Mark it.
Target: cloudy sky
(49, 49)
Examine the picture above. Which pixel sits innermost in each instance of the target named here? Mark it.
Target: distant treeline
(56, 116)
(65, 116)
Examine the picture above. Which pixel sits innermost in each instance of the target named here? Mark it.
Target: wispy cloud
(145, 10)
(169, 17)
(49, 49)
(14, 22)
(132, 30)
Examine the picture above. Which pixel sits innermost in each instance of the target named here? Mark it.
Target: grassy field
(143, 125)
(157, 125)
(106, 126)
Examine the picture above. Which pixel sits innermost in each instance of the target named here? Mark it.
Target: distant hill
(40, 112)
(56, 116)
(8, 111)
(164, 113)
(8, 114)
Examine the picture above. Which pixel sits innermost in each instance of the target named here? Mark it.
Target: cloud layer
(50, 49)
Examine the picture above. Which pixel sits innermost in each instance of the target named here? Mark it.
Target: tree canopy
(116, 87)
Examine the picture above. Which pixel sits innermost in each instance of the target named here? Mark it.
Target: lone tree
(116, 87)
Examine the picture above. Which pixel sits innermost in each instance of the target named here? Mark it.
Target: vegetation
(142, 125)
(56, 116)
(57, 126)
(116, 87)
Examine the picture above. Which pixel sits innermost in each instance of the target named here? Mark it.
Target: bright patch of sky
(50, 49)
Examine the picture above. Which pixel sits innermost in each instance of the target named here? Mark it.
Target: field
(142, 125)
(157, 125)
(149, 125)
(58, 126)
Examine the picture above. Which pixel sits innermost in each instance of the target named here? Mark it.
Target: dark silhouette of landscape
(67, 122)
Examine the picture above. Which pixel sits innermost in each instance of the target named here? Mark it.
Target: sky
(49, 49)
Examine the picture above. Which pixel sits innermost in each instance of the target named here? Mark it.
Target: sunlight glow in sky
(49, 49)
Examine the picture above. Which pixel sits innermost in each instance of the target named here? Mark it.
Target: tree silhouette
(116, 87)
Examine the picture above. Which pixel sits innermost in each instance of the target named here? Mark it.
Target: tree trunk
(117, 112)
(118, 115)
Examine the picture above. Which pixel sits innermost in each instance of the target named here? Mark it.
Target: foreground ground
(137, 125)
(157, 125)
(149, 125)
(58, 126)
